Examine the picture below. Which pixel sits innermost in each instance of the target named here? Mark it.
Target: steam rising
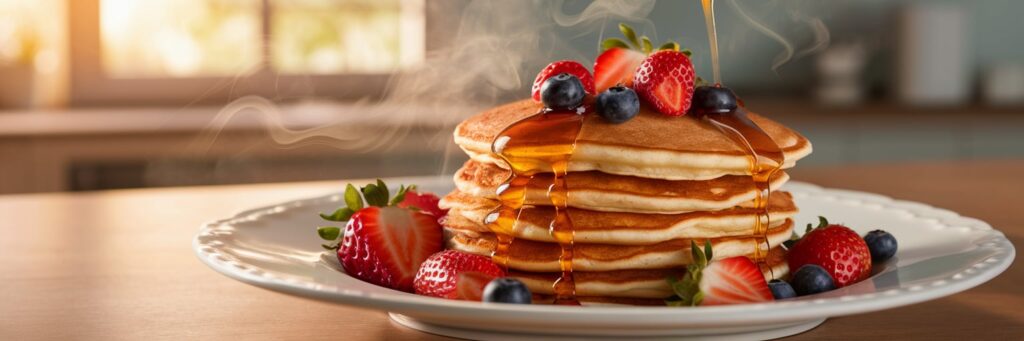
(820, 31)
(497, 48)
(491, 57)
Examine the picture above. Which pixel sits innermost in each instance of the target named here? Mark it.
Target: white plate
(940, 253)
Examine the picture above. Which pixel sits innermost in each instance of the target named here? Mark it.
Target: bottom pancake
(528, 255)
(633, 284)
(603, 300)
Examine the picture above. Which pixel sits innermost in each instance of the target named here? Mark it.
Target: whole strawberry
(563, 66)
(455, 275)
(837, 248)
(382, 243)
(666, 80)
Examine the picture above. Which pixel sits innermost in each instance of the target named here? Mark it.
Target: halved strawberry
(439, 275)
(733, 280)
(563, 66)
(382, 244)
(666, 81)
(838, 249)
(616, 65)
(424, 201)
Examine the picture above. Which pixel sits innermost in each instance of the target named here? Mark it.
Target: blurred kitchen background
(103, 94)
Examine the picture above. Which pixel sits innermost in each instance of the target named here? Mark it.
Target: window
(187, 51)
(179, 38)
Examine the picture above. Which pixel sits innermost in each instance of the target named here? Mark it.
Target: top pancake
(651, 145)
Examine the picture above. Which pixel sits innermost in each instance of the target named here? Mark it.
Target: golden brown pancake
(637, 284)
(468, 212)
(599, 191)
(528, 255)
(650, 145)
(602, 300)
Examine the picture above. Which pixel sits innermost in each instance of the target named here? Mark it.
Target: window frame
(89, 85)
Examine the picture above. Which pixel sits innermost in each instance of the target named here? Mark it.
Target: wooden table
(119, 265)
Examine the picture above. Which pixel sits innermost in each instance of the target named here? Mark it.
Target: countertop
(118, 265)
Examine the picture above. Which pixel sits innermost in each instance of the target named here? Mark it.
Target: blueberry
(781, 289)
(812, 279)
(713, 100)
(881, 244)
(507, 290)
(562, 91)
(618, 104)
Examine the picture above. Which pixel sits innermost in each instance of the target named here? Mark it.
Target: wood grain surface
(118, 265)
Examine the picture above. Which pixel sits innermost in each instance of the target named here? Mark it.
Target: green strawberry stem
(822, 222)
(374, 194)
(642, 44)
(687, 290)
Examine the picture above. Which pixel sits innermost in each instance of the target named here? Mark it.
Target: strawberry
(423, 201)
(733, 280)
(382, 244)
(616, 66)
(470, 285)
(837, 248)
(666, 81)
(620, 59)
(563, 66)
(439, 274)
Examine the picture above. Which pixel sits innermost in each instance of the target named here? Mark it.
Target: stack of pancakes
(638, 193)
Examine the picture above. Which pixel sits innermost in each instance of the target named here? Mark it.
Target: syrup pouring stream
(766, 158)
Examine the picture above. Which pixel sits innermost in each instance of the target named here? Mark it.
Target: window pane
(335, 36)
(179, 38)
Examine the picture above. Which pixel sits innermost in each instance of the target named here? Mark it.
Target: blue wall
(996, 34)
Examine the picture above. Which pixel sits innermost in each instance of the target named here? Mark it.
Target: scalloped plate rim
(667, 317)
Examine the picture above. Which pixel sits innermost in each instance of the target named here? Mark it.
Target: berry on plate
(781, 289)
(837, 249)
(424, 201)
(665, 80)
(563, 66)
(382, 243)
(617, 104)
(812, 279)
(619, 59)
(562, 91)
(507, 290)
(439, 275)
(470, 285)
(881, 244)
(733, 280)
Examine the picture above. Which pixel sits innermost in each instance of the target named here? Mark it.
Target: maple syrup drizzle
(766, 158)
(709, 20)
(537, 144)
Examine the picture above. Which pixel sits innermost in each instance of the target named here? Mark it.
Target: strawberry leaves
(374, 194)
(632, 42)
(402, 190)
(687, 290)
(822, 223)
